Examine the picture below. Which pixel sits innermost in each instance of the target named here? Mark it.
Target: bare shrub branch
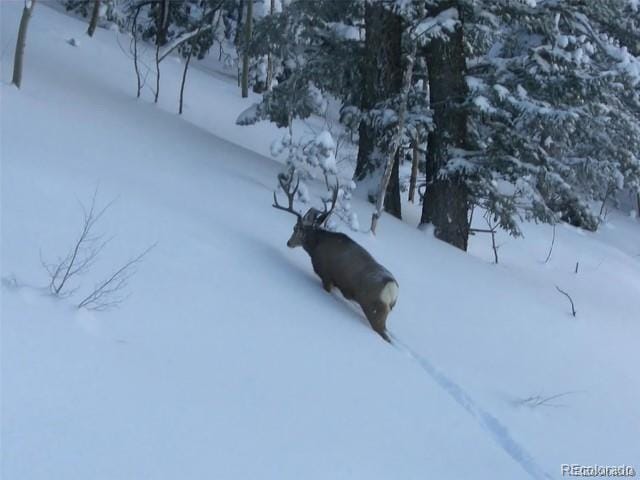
(82, 254)
(493, 228)
(110, 292)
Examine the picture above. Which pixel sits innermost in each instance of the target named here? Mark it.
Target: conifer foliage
(523, 109)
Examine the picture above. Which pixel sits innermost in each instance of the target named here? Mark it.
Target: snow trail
(498, 432)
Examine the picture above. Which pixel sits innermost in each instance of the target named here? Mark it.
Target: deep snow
(229, 360)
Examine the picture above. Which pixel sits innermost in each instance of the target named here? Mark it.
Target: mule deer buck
(339, 261)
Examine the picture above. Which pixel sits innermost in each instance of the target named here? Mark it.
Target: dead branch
(573, 309)
(493, 228)
(553, 241)
(541, 401)
(110, 293)
(82, 254)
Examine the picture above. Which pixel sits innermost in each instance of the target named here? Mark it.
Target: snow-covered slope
(229, 360)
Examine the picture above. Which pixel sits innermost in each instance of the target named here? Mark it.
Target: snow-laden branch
(430, 27)
(180, 39)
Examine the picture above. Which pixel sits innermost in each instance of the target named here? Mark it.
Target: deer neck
(312, 239)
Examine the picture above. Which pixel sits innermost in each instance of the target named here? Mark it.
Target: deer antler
(286, 182)
(327, 212)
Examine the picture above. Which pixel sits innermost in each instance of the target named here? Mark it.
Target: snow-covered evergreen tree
(544, 125)
(554, 99)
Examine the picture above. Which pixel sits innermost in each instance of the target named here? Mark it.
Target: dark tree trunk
(157, 92)
(381, 78)
(392, 203)
(134, 33)
(162, 26)
(95, 14)
(239, 25)
(184, 79)
(245, 54)
(21, 42)
(162, 23)
(272, 9)
(446, 200)
(415, 162)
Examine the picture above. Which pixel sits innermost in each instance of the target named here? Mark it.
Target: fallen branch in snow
(573, 309)
(539, 401)
(109, 293)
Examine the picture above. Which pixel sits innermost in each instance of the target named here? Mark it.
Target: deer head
(312, 220)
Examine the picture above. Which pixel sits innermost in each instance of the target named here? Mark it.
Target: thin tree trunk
(446, 201)
(184, 78)
(18, 60)
(95, 14)
(245, 54)
(638, 198)
(393, 163)
(157, 92)
(162, 24)
(134, 33)
(272, 10)
(415, 159)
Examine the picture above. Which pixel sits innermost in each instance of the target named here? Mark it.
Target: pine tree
(554, 110)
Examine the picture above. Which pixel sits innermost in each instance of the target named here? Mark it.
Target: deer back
(340, 261)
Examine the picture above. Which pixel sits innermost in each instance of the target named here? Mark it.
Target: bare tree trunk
(21, 42)
(272, 10)
(393, 163)
(157, 92)
(415, 160)
(446, 201)
(184, 78)
(134, 34)
(162, 24)
(245, 55)
(95, 14)
(638, 197)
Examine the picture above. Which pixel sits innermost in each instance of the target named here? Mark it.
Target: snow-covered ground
(229, 360)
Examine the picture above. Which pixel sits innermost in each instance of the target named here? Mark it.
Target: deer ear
(321, 218)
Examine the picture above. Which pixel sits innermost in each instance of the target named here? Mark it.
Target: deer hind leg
(377, 316)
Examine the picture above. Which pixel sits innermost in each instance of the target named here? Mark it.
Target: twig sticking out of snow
(573, 309)
(553, 241)
(540, 401)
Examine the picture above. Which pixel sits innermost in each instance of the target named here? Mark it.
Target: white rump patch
(389, 293)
